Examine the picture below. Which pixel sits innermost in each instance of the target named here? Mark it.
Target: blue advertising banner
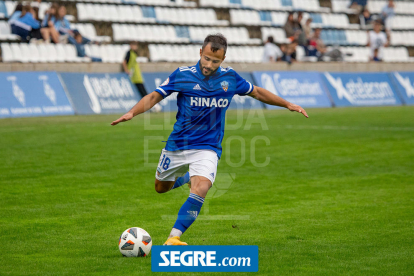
(303, 88)
(361, 89)
(25, 94)
(205, 258)
(245, 102)
(404, 81)
(99, 93)
(153, 80)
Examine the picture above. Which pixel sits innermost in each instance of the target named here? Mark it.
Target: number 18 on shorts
(177, 163)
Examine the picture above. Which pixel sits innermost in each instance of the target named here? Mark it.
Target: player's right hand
(126, 117)
(297, 108)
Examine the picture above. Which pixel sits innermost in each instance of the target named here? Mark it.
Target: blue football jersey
(202, 104)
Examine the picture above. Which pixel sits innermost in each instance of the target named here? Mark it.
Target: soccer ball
(135, 242)
(156, 108)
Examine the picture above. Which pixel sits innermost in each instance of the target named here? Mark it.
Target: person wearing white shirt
(377, 40)
(272, 52)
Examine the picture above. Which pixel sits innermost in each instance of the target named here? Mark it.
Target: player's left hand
(297, 108)
(128, 116)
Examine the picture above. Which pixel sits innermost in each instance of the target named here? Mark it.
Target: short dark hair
(377, 22)
(218, 41)
(270, 39)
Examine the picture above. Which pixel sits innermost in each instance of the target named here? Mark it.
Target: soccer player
(204, 91)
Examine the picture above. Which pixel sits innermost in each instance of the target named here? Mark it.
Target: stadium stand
(361, 54)
(277, 5)
(179, 53)
(167, 3)
(375, 7)
(278, 34)
(23, 52)
(267, 18)
(89, 31)
(110, 53)
(331, 37)
(402, 22)
(42, 53)
(402, 38)
(169, 30)
(178, 34)
(5, 32)
(148, 14)
(11, 5)
(342, 6)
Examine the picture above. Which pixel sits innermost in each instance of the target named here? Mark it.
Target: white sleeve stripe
(162, 90)
(250, 88)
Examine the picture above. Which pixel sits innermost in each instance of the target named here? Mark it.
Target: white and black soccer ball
(156, 108)
(135, 242)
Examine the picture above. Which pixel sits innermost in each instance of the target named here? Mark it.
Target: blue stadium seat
(239, 2)
(330, 37)
(3, 9)
(287, 3)
(324, 37)
(148, 12)
(265, 16)
(342, 38)
(316, 18)
(182, 31)
(336, 37)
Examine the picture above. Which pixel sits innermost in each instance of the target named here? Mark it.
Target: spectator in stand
(62, 25)
(312, 49)
(318, 42)
(322, 51)
(290, 25)
(16, 13)
(272, 52)
(358, 5)
(375, 56)
(377, 40)
(289, 54)
(36, 5)
(307, 29)
(387, 14)
(300, 33)
(50, 14)
(48, 25)
(131, 67)
(25, 25)
(79, 41)
(365, 18)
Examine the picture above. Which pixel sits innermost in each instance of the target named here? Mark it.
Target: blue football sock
(189, 212)
(181, 181)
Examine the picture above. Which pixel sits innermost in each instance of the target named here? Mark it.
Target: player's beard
(211, 72)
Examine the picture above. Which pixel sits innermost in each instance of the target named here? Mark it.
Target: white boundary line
(327, 127)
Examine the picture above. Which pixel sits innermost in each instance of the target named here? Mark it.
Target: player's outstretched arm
(268, 97)
(143, 105)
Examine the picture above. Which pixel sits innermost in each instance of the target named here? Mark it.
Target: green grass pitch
(336, 198)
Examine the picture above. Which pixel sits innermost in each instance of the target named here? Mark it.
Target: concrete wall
(169, 67)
